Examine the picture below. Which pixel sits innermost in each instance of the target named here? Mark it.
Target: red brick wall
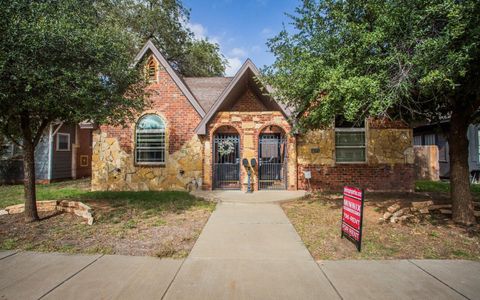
(399, 177)
(248, 102)
(172, 105)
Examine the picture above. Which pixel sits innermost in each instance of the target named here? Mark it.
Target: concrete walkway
(246, 251)
(256, 197)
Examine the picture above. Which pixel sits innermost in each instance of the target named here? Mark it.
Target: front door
(226, 161)
(272, 167)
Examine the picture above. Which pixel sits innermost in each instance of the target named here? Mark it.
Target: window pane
(350, 139)
(350, 154)
(63, 141)
(429, 139)
(150, 140)
(417, 140)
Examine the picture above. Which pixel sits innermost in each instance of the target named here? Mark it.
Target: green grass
(441, 187)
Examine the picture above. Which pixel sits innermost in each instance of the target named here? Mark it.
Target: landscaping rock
(393, 208)
(424, 210)
(401, 212)
(421, 205)
(446, 211)
(15, 209)
(439, 206)
(387, 215)
(3, 212)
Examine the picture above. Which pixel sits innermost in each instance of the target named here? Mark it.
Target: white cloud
(234, 63)
(199, 31)
(238, 52)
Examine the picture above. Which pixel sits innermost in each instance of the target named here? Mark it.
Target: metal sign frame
(345, 228)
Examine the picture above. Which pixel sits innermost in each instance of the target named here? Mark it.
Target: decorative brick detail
(249, 126)
(382, 177)
(248, 102)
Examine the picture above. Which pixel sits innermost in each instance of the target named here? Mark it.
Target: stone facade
(242, 107)
(249, 126)
(388, 166)
(113, 163)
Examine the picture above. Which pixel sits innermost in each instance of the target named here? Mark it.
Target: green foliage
(165, 22)
(63, 61)
(412, 59)
(441, 187)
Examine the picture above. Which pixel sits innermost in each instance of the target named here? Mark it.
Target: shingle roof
(207, 89)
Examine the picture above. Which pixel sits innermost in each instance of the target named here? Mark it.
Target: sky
(240, 27)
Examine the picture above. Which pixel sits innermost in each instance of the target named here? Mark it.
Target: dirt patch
(118, 229)
(317, 220)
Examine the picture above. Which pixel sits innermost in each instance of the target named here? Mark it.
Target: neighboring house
(64, 152)
(200, 131)
(434, 134)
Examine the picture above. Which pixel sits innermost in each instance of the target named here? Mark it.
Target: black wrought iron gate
(272, 162)
(226, 161)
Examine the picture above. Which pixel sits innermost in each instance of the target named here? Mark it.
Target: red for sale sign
(352, 215)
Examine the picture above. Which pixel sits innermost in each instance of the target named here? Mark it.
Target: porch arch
(272, 158)
(226, 158)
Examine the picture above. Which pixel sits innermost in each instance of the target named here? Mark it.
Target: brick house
(199, 132)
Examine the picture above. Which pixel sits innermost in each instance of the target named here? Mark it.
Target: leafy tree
(165, 22)
(61, 61)
(415, 59)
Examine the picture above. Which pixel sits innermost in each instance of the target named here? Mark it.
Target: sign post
(352, 215)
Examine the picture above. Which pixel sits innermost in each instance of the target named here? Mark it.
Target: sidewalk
(246, 251)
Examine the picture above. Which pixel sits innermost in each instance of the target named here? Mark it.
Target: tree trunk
(462, 205)
(31, 213)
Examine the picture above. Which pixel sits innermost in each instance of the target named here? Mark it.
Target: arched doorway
(226, 159)
(272, 159)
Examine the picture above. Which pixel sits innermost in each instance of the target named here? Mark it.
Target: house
(211, 133)
(435, 134)
(64, 152)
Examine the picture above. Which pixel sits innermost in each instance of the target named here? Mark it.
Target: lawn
(164, 224)
(442, 187)
(317, 220)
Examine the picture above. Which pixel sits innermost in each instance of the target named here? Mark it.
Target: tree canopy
(62, 61)
(382, 58)
(166, 23)
(408, 59)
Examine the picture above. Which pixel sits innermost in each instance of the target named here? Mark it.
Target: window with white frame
(63, 141)
(150, 142)
(6, 150)
(349, 143)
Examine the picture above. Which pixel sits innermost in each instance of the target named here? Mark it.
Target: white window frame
(164, 148)
(344, 129)
(58, 141)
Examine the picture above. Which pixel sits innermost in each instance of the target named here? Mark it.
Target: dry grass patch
(130, 223)
(317, 220)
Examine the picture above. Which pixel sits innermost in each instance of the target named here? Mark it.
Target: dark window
(349, 141)
(63, 142)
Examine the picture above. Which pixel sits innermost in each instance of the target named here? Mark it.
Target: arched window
(150, 140)
(152, 70)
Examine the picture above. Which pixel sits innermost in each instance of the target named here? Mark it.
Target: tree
(61, 61)
(415, 60)
(166, 23)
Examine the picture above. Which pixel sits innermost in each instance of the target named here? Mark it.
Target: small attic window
(152, 70)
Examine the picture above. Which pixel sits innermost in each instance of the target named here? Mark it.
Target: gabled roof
(245, 76)
(149, 46)
(207, 89)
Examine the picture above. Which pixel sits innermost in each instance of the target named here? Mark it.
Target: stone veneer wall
(389, 164)
(113, 165)
(249, 125)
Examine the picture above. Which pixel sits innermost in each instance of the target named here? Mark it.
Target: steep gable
(150, 47)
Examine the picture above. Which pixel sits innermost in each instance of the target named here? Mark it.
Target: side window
(429, 139)
(417, 140)
(63, 142)
(152, 71)
(350, 143)
(442, 148)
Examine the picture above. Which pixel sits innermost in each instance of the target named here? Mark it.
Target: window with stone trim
(150, 144)
(350, 146)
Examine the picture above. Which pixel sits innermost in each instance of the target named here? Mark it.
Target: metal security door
(226, 161)
(272, 167)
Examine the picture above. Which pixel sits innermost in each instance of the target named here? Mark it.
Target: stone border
(76, 207)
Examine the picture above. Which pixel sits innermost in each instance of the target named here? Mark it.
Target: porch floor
(255, 197)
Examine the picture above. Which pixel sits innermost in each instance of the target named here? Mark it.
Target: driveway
(246, 251)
